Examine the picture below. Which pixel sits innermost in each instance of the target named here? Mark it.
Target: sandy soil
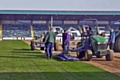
(110, 66)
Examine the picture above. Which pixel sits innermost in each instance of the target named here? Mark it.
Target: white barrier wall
(15, 38)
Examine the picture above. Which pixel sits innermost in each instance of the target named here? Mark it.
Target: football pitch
(18, 62)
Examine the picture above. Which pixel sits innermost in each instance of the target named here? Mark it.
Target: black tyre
(99, 56)
(88, 55)
(32, 45)
(81, 54)
(117, 44)
(77, 53)
(41, 48)
(109, 56)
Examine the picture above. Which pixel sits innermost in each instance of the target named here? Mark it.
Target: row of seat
(9, 30)
(39, 29)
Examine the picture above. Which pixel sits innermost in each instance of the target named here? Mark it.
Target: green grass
(18, 62)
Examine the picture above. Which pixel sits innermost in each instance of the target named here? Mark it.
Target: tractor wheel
(99, 56)
(81, 54)
(32, 45)
(109, 56)
(117, 44)
(88, 55)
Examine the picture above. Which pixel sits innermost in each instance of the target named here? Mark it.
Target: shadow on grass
(23, 49)
(28, 54)
(34, 54)
(55, 58)
(24, 53)
(25, 57)
(57, 76)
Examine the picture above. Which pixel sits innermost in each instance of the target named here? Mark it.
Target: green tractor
(93, 45)
(99, 47)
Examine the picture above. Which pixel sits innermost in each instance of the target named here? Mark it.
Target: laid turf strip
(18, 62)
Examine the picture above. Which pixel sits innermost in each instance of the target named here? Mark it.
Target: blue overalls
(112, 40)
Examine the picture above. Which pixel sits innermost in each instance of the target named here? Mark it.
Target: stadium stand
(39, 29)
(66, 27)
(10, 30)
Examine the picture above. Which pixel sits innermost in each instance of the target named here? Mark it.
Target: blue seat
(10, 30)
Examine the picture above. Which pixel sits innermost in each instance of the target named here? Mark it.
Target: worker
(111, 40)
(49, 40)
(83, 45)
(89, 31)
(65, 41)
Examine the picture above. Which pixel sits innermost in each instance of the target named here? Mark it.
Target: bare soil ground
(110, 66)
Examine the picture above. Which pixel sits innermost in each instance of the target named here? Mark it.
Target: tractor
(92, 44)
(117, 32)
(117, 39)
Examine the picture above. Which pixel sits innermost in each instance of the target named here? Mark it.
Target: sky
(113, 5)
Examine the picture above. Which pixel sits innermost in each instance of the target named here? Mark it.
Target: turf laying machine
(65, 56)
(95, 45)
(91, 44)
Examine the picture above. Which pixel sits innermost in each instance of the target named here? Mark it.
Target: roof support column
(0, 32)
(51, 21)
